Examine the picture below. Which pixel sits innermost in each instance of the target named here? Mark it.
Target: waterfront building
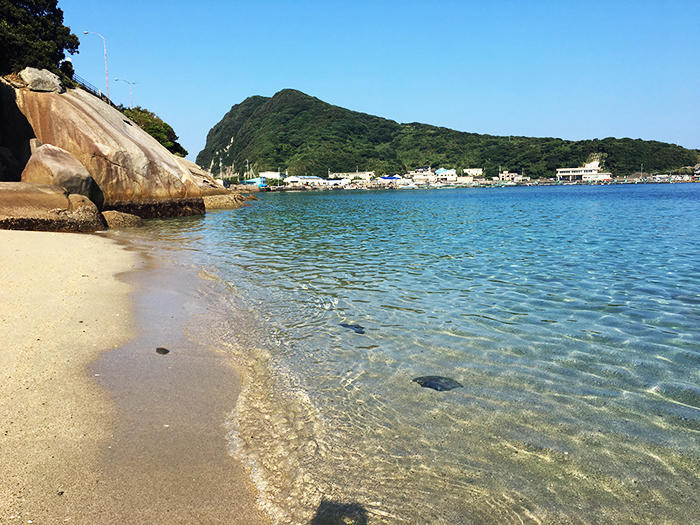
(352, 175)
(509, 176)
(272, 175)
(298, 180)
(445, 175)
(473, 172)
(590, 172)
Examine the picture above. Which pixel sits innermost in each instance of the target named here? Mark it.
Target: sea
(569, 315)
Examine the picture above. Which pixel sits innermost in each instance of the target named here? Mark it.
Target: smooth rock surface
(129, 165)
(41, 80)
(228, 201)
(117, 219)
(25, 206)
(55, 166)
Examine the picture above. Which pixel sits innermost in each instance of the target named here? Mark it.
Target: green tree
(156, 128)
(32, 34)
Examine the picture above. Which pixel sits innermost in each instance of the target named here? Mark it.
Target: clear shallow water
(571, 315)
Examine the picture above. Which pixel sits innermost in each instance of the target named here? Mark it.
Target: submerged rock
(117, 219)
(358, 329)
(439, 383)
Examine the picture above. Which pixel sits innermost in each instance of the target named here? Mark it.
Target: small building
(272, 175)
(299, 180)
(591, 171)
(260, 182)
(473, 172)
(445, 175)
(352, 175)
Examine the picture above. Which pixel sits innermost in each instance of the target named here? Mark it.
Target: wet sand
(119, 436)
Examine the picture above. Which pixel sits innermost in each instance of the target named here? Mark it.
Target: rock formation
(117, 219)
(75, 143)
(41, 80)
(25, 206)
(133, 171)
(55, 166)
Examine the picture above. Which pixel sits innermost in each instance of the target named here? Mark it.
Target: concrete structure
(473, 172)
(362, 175)
(509, 176)
(591, 172)
(445, 175)
(308, 180)
(272, 175)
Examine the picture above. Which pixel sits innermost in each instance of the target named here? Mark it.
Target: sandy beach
(80, 438)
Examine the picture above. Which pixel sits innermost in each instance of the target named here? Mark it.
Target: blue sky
(565, 69)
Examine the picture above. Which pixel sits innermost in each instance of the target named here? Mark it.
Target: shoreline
(61, 306)
(101, 428)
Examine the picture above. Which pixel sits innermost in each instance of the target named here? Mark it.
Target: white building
(590, 172)
(302, 180)
(473, 172)
(273, 175)
(509, 176)
(445, 175)
(362, 175)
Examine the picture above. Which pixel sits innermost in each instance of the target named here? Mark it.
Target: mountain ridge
(305, 135)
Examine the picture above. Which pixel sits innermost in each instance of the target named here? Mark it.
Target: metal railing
(87, 86)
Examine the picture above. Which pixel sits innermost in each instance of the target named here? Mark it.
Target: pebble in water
(439, 383)
(358, 329)
(162, 351)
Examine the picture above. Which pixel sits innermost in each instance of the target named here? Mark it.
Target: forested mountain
(305, 135)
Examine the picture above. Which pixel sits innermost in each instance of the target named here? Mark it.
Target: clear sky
(550, 68)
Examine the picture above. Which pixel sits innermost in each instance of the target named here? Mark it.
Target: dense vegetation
(32, 34)
(156, 128)
(308, 136)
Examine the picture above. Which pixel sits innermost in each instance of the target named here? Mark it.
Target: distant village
(427, 177)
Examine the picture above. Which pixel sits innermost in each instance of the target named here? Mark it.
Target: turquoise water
(570, 315)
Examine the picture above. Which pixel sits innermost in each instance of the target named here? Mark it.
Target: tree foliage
(32, 34)
(308, 136)
(156, 128)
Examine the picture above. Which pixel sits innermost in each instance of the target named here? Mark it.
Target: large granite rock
(55, 166)
(25, 206)
(135, 173)
(205, 182)
(41, 80)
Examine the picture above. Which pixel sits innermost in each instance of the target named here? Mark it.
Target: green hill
(305, 135)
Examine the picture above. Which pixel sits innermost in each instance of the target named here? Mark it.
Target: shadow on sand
(337, 513)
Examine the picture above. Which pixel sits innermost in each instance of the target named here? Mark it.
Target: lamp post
(104, 44)
(131, 91)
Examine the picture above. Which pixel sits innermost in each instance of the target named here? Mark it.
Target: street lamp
(104, 44)
(131, 91)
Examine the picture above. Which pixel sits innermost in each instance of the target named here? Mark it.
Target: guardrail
(87, 86)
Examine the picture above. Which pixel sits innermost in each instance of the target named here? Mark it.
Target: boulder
(41, 80)
(55, 166)
(229, 201)
(117, 219)
(25, 206)
(134, 171)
